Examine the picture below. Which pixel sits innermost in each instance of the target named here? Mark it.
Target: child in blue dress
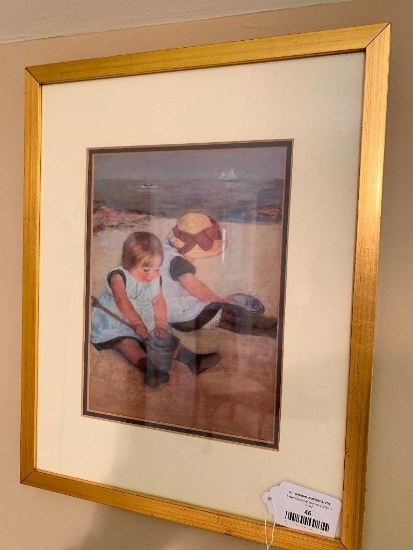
(133, 294)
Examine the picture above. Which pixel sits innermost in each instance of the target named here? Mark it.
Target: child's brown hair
(140, 248)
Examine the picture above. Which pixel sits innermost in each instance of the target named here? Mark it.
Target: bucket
(161, 350)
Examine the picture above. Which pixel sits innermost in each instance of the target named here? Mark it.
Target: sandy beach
(235, 399)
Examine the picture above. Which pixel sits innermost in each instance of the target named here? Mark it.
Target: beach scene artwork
(244, 187)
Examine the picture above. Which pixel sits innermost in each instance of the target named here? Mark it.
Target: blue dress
(104, 327)
(182, 305)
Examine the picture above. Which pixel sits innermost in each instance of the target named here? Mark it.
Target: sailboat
(228, 176)
(149, 186)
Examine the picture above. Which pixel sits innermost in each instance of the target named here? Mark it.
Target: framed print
(223, 201)
(200, 259)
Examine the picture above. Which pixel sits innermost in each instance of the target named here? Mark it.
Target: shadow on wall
(116, 529)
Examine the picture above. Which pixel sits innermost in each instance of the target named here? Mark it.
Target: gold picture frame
(374, 42)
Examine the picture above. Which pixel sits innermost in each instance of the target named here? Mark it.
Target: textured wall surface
(21, 20)
(33, 519)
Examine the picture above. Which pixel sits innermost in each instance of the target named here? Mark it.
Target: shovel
(95, 303)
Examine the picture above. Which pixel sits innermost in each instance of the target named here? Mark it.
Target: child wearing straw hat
(191, 304)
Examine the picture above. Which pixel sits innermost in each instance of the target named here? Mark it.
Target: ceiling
(33, 19)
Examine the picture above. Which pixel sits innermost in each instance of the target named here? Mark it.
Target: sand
(235, 399)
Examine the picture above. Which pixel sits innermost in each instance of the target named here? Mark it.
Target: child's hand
(140, 329)
(161, 333)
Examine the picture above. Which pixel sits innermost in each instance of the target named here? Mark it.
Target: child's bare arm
(200, 290)
(124, 305)
(161, 316)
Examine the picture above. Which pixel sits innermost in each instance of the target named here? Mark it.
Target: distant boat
(149, 186)
(228, 176)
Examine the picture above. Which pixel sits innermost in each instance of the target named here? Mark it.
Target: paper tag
(300, 508)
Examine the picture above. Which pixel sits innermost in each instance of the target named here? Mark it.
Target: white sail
(230, 175)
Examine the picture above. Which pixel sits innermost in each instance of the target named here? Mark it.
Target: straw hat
(198, 236)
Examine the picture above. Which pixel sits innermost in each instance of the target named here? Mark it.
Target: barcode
(308, 521)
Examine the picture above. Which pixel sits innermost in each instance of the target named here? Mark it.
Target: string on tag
(268, 545)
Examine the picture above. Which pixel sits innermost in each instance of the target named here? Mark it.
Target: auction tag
(299, 508)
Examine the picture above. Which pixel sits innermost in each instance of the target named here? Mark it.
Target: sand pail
(161, 350)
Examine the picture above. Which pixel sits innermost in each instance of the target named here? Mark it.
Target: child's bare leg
(132, 351)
